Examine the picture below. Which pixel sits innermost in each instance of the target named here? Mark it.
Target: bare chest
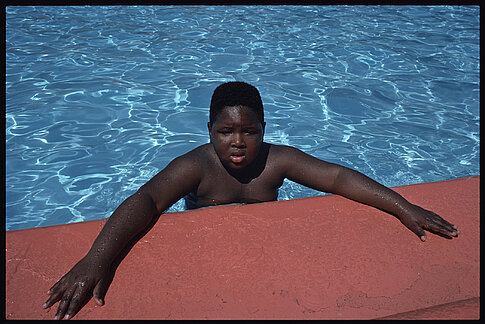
(221, 188)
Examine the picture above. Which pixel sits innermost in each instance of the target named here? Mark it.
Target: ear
(210, 129)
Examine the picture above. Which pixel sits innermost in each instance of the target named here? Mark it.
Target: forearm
(357, 186)
(128, 220)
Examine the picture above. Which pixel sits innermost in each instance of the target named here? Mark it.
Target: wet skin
(235, 167)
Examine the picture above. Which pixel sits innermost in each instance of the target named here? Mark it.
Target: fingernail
(423, 238)
(45, 305)
(67, 316)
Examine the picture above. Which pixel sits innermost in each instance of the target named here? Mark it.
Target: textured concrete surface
(312, 258)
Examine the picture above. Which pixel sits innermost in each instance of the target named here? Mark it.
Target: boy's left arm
(337, 179)
(356, 186)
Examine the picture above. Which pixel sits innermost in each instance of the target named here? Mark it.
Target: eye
(225, 131)
(249, 131)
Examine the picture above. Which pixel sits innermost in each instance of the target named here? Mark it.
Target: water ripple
(99, 99)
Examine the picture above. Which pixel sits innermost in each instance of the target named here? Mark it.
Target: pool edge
(37, 257)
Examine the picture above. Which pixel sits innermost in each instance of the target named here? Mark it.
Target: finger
(55, 286)
(100, 292)
(418, 231)
(443, 222)
(440, 228)
(75, 303)
(64, 303)
(55, 296)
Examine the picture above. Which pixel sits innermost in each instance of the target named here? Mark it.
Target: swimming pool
(99, 99)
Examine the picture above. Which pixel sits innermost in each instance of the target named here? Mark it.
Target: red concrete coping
(312, 258)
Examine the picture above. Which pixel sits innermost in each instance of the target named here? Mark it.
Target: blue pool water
(99, 99)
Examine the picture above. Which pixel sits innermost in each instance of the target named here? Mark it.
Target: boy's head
(236, 126)
(232, 94)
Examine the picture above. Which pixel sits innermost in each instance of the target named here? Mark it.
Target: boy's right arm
(90, 275)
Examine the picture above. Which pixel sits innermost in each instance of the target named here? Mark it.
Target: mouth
(237, 157)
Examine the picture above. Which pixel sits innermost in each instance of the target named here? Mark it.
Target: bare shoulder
(200, 154)
(283, 149)
(194, 162)
(282, 157)
(283, 153)
(290, 154)
(299, 166)
(196, 158)
(181, 176)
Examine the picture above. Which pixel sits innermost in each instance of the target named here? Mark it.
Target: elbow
(150, 201)
(334, 180)
(341, 178)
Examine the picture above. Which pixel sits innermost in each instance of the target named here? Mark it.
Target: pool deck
(312, 258)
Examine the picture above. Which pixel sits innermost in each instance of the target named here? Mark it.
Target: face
(237, 136)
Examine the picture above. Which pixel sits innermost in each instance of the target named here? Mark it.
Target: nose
(238, 140)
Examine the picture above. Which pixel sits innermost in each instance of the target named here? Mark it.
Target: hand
(76, 287)
(417, 219)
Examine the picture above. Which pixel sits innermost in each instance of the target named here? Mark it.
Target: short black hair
(235, 93)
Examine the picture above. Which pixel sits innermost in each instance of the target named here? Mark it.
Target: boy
(235, 167)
